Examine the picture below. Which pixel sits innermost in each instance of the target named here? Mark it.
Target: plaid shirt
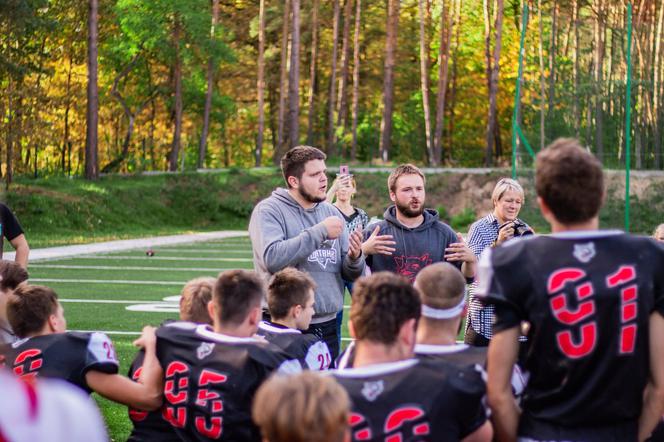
(481, 235)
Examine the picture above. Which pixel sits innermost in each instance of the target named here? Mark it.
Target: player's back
(67, 356)
(413, 400)
(461, 355)
(588, 298)
(306, 348)
(210, 381)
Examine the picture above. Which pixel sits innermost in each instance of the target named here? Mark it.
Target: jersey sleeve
(503, 282)
(659, 278)
(101, 354)
(318, 356)
(10, 225)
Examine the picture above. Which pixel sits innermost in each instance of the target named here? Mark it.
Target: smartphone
(343, 169)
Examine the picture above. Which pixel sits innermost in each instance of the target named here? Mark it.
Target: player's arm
(20, 244)
(502, 355)
(482, 434)
(146, 394)
(653, 401)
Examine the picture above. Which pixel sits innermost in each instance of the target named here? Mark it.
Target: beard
(408, 212)
(309, 197)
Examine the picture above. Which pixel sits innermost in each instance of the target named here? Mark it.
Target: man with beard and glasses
(295, 227)
(411, 237)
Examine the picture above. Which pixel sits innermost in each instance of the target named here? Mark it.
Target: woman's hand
(505, 232)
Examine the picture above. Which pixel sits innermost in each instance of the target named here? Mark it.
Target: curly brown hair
(196, 295)
(570, 181)
(382, 303)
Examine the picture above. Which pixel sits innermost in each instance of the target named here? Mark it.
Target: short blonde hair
(441, 285)
(307, 407)
(506, 184)
(658, 230)
(196, 295)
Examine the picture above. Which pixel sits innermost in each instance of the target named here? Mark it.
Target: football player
(11, 275)
(290, 300)
(150, 426)
(395, 396)
(594, 300)
(86, 360)
(302, 408)
(212, 373)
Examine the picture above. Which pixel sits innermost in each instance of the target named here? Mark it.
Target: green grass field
(101, 292)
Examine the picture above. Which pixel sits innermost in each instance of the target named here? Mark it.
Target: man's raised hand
(334, 225)
(378, 244)
(355, 244)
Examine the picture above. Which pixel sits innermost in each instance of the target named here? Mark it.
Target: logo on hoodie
(326, 254)
(409, 266)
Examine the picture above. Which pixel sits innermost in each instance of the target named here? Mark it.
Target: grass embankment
(62, 211)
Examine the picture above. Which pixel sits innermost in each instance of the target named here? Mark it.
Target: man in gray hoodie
(295, 227)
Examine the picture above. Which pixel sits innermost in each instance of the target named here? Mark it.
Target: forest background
(141, 85)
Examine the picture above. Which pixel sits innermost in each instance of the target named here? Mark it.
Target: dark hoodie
(416, 247)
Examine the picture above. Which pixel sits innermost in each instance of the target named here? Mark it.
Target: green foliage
(462, 221)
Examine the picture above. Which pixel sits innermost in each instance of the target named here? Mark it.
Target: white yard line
(205, 251)
(158, 269)
(111, 301)
(109, 281)
(159, 258)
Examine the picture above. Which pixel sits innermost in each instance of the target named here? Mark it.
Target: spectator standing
(490, 231)
(658, 234)
(296, 227)
(11, 229)
(418, 237)
(11, 275)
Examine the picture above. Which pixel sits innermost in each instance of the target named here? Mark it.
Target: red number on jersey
(628, 306)
(209, 426)
(28, 363)
(137, 415)
(176, 394)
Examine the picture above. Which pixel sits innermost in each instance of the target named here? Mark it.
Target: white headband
(444, 313)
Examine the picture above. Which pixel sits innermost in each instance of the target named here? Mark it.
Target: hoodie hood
(430, 218)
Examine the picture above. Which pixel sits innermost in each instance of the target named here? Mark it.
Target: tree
(312, 74)
(177, 89)
(356, 76)
(260, 85)
(446, 28)
(92, 120)
(424, 80)
(202, 145)
(491, 138)
(388, 82)
(279, 148)
(294, 80)
(342, 112)
(333, 78)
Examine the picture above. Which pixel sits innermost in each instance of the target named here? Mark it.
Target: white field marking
(160, 258)
(159, 269)
(163, 307)
(109, 281)
(202, 250)
(107, 301)
(132, 333)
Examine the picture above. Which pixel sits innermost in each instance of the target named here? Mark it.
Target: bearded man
(411, 237)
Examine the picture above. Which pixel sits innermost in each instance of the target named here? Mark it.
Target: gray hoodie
(284, 234)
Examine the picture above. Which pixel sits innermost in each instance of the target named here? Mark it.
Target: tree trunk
(657, 102)
(260, 85)
(453, 91)
(342, 98)
(311, 108)
(281, 122)
(388, 82)
(294, 80)
(493, 89)
(65, 135)
(552, 55)
(177, 79)
(540, 51)
(92, 114)
(598, 67)
(9, 134)
(356, 77)
(424, 79)
(333, 81)
(202, 144)
(575, 70)
(443, 67)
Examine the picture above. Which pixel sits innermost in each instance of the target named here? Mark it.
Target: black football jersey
(588, 297)
(461, 355)
(67, 356)
(210, 380)
(306, 348)
(148, 425)
(413, 401)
